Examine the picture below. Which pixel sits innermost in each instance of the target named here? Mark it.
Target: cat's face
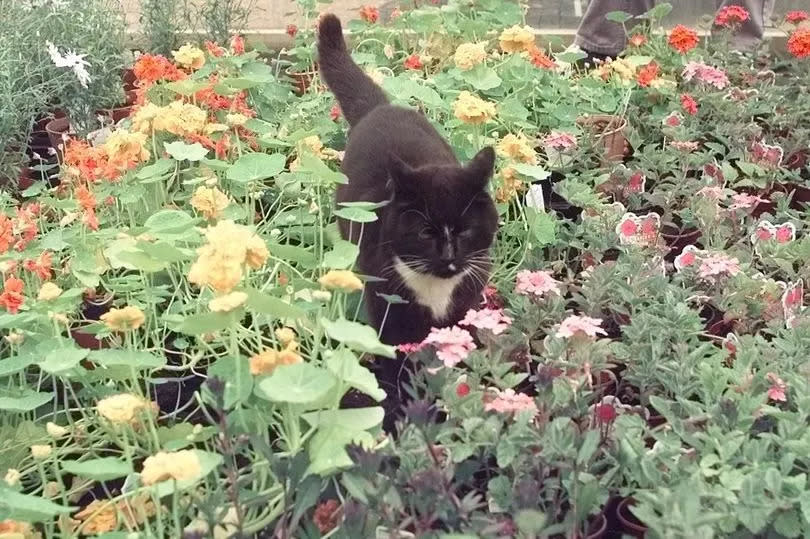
(442, 220)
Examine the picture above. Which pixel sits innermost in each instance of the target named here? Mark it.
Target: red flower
(12, 297)
(238, 45)
(327, 516)
(730, 16)
(799, 43)
(292, 30)
(413, 62)
(689, 104)
(606, 413)
(150, 68)
(637, 40)
(369, 14)
(795, 17)
(462, 390)
(41, 266)
(214, 49)
(334, 112)
(647, 74)
(683, 39)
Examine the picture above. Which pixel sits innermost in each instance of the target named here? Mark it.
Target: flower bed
(182, 323)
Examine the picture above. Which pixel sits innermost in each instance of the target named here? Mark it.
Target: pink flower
(638, 230)
(508, 402)
(686, 146)
(687, 258)
(730, 344)
(491, 319)
(463, 389)
(792, 302)
(730, 16)
(777, 390)
(674, 119)
(536, 283)
(490, 297)
(705, 74)
(795, 17)
(767, 155)
(560, 141)
(744, 201)
(410, 348)
(413, 62)
(636, 183)
(453, 345)
(785, 233)
(713, 192)
(585, 324)
(689, 104)
(717, 265)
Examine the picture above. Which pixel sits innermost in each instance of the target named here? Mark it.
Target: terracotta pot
(119, 113)
(302, 80)
(677, 239)
(630, 524)
(129, 79)
(57, 129)
(608, 132)
(597, 527)
(26, 179)
(94, 307)
(88, 341)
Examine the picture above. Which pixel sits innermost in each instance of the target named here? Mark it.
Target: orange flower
(647, 74)
(539, 59)
(238, 45)
(369, 14)
(799, 43)
(12, 296)
(637, 40)
(413, 62)
(683, 39)
(6, 233)
(41, 266)
(150, 68)
(85, 198)
(214, 50)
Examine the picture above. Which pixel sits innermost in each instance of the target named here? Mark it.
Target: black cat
(431, 240)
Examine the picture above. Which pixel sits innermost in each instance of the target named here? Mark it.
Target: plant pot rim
(290, 70)
(622, 508)
(586, 121)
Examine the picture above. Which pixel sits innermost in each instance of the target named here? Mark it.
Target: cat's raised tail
(355, 91)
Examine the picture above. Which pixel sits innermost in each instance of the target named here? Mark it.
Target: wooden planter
(608, 134)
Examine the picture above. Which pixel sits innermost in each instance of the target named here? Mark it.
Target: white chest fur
(435, 293)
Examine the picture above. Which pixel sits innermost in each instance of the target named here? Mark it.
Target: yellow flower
(101, 516)
(321, 295)
(516, 39)
(285, 336)
(517, 147)
(228, 302)
(177, 465)
(266, 361)
(49, 291)
(189, 57)
(51, 489)
(209, 201)
(471, 109)
(235, 120)
(41, 452)
(663, 84)
(178, 118)
(469, 55)
(143, 117)
(230, 247)
(511, 185)
(15, 529)
(122, 409)
(12, 477)
(620, 67)
(342, 279)
(15, 337)
(125, 319)
(55, 430)
(126, 149)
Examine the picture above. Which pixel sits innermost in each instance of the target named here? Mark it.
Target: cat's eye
(426, 233)
(465, 233)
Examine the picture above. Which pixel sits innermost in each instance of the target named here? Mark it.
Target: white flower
(74, 61)
(534, 198)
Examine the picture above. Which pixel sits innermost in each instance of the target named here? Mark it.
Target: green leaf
(318, 169)
(291, 253)
(530, 521)
(618, 16)
(533, 171)
(23, 400)
(658, 12)
(186, 87)
(236, 375)
(28, 508)
(327, 449)
(62, 359)
(158, 168)
(103, 469)
(262, 303)
(197, 324)
(345, 365)
(358, 215)
(137, 259)
(351, 419)
(253, 167)
(357, 336)
(342, 256)
(301, 383)
(169, 222)
(15, 364)
(137, 359)
(182, 151)
(542, 226)
(588, 447)
(482, 77)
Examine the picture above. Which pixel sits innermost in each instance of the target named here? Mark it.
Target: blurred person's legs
(601, 37)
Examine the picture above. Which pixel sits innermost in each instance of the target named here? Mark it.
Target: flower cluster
(516, 39)
(731, 16)
(453, 344)
(705, 74)
(471, 109)
(799, 43)
(536, 283)
(683, 39)
(493, 320)
(580, 325)
(177, 465)
(508, 401)
(231, 250)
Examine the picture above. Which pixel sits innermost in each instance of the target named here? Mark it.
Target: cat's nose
(448, 254)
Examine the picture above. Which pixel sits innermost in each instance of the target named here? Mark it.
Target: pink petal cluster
(492, 319)
(536, 283)
(410, 348)
(686, 146)
(713, 192)
(715, 265)
(560, 141)
(766, 231)
(744, 201)
(507, 401)
(585, 324)
(705, 74)
(689, 255)
(453, 345)
(778, 387)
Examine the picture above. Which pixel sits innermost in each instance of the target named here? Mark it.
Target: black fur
(439, 219)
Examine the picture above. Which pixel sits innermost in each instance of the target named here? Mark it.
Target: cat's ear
(480, 168)
(402, 175)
